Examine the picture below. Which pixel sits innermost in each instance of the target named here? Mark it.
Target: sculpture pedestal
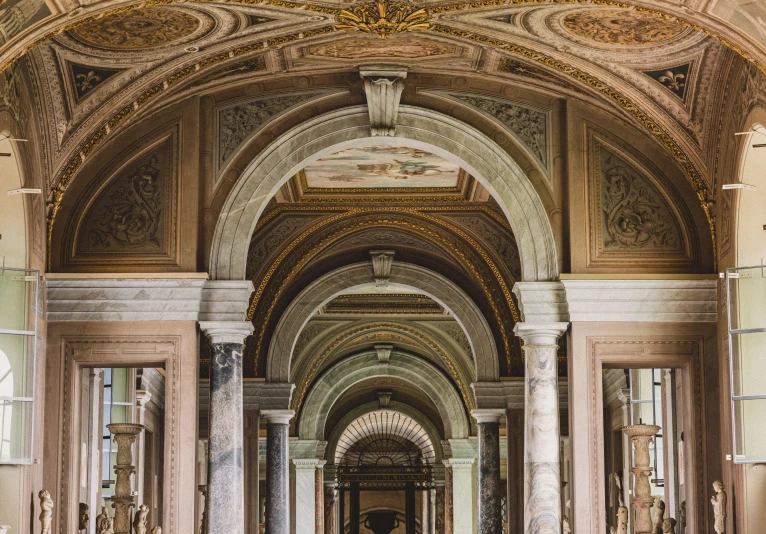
(642, 436)
(381, 521)
(125, 434)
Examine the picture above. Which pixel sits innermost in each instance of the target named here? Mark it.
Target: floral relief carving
(262, 245)
(633, 214)
(236, 123)
(530, 125)
(131, 213)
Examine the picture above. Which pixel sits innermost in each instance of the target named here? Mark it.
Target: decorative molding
(529, 124)
(148, 299)
(84, 80)
(383, 88)
(650, 301)
(235, 123)
(226, 332)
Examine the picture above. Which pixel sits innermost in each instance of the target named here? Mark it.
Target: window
(746, 291)
(118, 408)
(18, 333)
(646, 408)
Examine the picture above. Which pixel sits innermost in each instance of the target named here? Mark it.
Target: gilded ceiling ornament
(136, 29)
(383, 18)
(621, 27)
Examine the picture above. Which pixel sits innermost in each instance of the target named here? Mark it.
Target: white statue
(46, 511)
(139, 521)
(157, 530)
(658, 515)
(682, 515)
(104, 523)
(719, 506)
(622, 520)
(565, 526)
(4, 529)
(669, 526)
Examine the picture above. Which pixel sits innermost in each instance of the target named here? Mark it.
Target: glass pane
(16, 361)
(751, 420)
(18, 298)
(749, 363)
(642, 382)
(748, 293)
(120, 385)
(119, 414)
(643, 412)
(15, 430)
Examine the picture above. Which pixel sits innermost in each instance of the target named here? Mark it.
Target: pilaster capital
(540, 333)
(458, 464)
(142, 397)
(226, 331)
(542, 302)
(278, 417)
(487, 415)
(308, 464)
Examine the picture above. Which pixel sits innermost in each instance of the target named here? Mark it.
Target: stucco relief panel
(133, 215)
(629, 215)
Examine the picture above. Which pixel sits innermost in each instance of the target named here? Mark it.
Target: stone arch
(416, 127)
(405, 409)
(436, 286)
(332, 384)
(747, 205)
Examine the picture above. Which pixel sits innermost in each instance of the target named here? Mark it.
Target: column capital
(542, 302)
(460, 463)
(487, 415)
(142, 397)
(534, 333)
(278, 417)
(226, 331)
(308, 464)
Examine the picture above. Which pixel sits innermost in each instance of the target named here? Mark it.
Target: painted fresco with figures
(382, 266)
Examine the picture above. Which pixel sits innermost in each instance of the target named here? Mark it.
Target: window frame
(732, 273)
(32, 335)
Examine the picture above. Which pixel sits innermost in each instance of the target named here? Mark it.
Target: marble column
(278, 471)
(225, 503)
(490, 494)
(319, 497)
(440, 511)
(463, 487)
(542, 481)
(307, 501)
(448, 493)
(332, 511)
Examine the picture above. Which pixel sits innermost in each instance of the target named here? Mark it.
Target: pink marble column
(448, 499)
(440, 510)
(319, 498)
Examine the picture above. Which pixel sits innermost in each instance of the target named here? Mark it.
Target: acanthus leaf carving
(633, 214)
(131, 215)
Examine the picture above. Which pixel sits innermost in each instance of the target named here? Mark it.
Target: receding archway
(436, 286)
(330, 386)
(417, 128)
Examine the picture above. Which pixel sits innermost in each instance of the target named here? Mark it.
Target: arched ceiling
(105, 66)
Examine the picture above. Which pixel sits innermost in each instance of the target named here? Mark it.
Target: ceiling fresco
(381, 167)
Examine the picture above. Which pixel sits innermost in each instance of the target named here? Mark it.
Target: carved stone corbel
(384, 352)
(383, 87)
(382, 260)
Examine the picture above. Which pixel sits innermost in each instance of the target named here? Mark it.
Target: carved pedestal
(125, 434)
(641, 436)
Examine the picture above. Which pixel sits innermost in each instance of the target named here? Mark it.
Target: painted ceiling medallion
(136, 29)
(621, 27)
(383, 18)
